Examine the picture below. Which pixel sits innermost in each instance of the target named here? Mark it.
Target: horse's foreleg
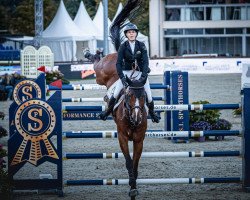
(123, 141)
(138, 146)
(132, 179)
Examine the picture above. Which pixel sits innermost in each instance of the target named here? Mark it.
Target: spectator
(15, 78)
(7, 85)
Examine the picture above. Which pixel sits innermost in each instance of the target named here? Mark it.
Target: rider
(132, 54)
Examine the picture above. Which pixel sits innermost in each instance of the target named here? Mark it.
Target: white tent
(140, 37)
(61, 36)
(85, 23)
(99, 21)
(88, 28)
(119, 9)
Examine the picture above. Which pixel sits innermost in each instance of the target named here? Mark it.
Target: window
(176, 2)
(214, 31)
(172, 14)
(248, 45)
(234, 31)
(223, 46)
(193, 31)
(173, 32)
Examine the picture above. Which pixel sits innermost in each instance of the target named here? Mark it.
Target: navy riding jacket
(126, 58)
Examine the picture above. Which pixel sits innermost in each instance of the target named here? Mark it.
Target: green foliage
(207, 119)
(141, 19)
(52, 76)
(22, 21)
(210, 116)
(17, 16)
(237, 111)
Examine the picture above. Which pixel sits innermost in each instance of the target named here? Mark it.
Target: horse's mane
(128, 11)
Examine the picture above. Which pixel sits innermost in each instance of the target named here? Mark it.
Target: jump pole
(153, 181)
(152, 134)
(190, 154)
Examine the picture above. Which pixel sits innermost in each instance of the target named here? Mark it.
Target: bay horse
(131, 114)
(131, 121)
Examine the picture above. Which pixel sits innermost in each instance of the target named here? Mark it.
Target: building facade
(181, 27)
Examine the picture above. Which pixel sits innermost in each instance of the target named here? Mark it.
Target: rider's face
(131, 35)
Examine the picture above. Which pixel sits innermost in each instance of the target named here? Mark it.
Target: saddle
(120, 97)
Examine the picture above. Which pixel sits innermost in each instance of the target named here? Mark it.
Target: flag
(57, 83)
(42, 68)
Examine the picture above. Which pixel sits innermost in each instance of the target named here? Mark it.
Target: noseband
(137, 92)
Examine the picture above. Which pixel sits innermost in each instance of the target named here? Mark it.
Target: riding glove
(124, 82)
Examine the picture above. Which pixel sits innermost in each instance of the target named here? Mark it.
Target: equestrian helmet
(130, 26)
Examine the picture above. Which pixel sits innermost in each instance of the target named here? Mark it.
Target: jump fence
(35, 120)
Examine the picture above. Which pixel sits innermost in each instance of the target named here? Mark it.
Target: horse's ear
(128, 80)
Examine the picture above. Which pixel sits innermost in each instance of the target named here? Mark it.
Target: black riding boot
(152, 113)
(104, 115)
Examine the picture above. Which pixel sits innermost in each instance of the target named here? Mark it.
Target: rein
(134, 67)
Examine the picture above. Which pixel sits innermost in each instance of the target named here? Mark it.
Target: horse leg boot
(152, 113)
(104, 115)
(129, 166)
(138, 146)
(123, 141)
(132, 180)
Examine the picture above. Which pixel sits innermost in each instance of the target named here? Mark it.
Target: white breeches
(137, 75)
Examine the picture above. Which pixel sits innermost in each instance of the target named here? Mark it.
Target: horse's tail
(128, 11)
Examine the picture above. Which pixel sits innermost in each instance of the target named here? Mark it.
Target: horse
(105, 68)
(131, 120)
(131, 114)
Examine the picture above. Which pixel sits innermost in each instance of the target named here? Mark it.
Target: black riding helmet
(130, 26)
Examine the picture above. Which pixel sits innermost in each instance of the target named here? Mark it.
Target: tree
(17, 16)
(7, 7)
(141, 18)
(22, 20)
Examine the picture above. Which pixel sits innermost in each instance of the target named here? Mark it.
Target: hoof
(133, 193)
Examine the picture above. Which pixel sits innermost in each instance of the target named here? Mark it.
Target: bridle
(129, 108)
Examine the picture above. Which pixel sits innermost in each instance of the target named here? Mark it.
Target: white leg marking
(136, 109)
